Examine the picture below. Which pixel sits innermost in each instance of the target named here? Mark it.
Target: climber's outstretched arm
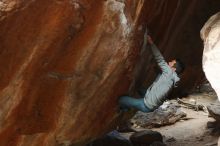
(158, 56)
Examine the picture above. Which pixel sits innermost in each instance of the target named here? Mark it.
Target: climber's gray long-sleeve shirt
(156, 94)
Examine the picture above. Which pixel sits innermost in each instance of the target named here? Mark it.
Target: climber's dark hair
(179, 65)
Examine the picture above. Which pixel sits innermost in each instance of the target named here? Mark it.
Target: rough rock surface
(214, 111)
(165, 115)
(210, 33)
(114, 138)
(145, 137)
(63, 63)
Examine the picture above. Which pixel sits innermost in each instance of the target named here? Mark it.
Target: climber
(156, 94)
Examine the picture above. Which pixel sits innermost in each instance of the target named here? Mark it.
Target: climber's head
(177, 66)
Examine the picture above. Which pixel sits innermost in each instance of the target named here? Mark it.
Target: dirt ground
(192, 132)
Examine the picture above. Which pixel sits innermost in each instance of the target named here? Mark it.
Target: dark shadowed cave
(63, 64)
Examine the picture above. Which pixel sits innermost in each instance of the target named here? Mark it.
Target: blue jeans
(127, 102)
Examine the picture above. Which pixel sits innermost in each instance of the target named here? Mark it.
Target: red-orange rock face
(63, 66)
(63, 63)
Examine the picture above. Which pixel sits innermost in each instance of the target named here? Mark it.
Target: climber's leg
(127, 102)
